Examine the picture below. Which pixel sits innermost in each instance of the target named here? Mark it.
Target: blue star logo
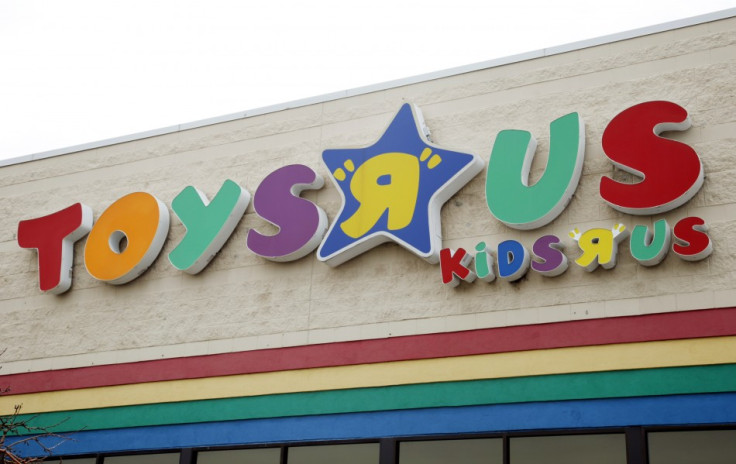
(394, 190)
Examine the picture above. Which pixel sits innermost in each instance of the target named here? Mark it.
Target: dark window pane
(364, 453)
(475, 451)
(246, 456)
(701, 447)
(165, 458)
(70, 461)
(569, 449)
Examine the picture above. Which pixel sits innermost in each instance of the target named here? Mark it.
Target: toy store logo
(393, 190)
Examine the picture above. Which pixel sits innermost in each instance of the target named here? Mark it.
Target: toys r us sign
(393, 190)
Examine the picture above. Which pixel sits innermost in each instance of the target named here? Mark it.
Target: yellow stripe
(672, 353)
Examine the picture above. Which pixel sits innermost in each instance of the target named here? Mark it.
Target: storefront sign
(393, 190)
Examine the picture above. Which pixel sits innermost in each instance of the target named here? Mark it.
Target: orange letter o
(139, 218)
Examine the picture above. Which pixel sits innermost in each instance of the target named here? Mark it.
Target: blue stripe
(660, 410)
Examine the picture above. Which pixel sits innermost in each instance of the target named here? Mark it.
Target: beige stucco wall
(242, 302)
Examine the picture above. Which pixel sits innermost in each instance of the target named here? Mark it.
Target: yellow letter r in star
(386, 183)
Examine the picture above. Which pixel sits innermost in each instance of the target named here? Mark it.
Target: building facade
(518, 262)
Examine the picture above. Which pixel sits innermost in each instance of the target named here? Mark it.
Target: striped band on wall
(654, 327)
(570, 366)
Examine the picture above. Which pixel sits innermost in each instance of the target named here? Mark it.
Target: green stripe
(615, 384)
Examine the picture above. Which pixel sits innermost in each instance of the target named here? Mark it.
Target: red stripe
(667, 326)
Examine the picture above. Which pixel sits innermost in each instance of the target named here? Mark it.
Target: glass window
(70, 461)
(474, 451)
(165, 458)
(364, 453)
(569, 449)
(697, 447)
(246, 456)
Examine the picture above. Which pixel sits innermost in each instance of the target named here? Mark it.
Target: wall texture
(241, 302)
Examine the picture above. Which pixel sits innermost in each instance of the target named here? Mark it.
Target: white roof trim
(663, 27)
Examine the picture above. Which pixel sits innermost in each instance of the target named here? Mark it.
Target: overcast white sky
(77, 71)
